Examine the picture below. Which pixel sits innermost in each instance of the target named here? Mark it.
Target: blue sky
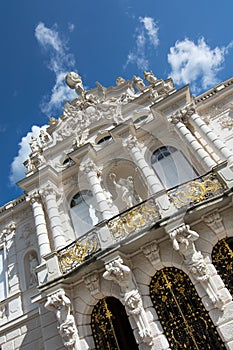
(41, 41)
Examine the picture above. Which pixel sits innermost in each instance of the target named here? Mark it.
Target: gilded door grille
(185, 321)
(222, 257)
(110, 326)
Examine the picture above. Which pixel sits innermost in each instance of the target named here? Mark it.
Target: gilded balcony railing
(141, 216)
(196, 191)
(76, 253)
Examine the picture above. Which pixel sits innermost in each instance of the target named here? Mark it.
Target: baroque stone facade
(124, 237)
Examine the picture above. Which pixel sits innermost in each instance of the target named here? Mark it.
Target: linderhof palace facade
(123, 238)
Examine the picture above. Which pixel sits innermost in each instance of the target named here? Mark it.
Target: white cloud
(152, 30)
(60, 62)
(71, 27)
(146, 34)
(17, 167)
(196, 64)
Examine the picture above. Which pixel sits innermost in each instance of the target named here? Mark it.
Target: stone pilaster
(211, 138)
(192, 142)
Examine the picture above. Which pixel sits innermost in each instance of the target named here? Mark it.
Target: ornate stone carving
(34, 197)
(4, 310)
(92, 283)
(61, 305)
(226, 122)
(183, 239)
(214, 221)
(151, 252)
(88, 166)
(130, 142)
(123, 276)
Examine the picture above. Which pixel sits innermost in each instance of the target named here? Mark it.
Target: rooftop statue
(74, 81)
(138, 82)
(149, 76)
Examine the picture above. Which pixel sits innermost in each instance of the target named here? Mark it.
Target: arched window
(83, 212)
(171, 166)
(110, 326)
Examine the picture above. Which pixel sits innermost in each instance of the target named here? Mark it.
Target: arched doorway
(185, 321)
(110, 326)
(222, 258)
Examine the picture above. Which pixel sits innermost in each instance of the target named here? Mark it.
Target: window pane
(171, 166)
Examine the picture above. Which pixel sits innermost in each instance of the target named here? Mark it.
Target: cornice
(214, 91)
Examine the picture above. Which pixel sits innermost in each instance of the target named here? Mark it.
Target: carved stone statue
(34, 145)
(120, 81)
(74, 81)
(133, 303)
(138, 82)
(125, 190)
(33, 263)
(61, 305)
(183, 241)
(123, 276)
(44, 137)
(149, 76)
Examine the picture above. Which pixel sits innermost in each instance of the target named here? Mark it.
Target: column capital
(130, 142)
(33, 197)
(47, 190)
(88, 166)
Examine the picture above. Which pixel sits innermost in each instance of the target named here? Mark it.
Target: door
(110, 326)
(185, 321)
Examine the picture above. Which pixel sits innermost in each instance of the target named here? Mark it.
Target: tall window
(171, 166)
(83, 212)
(2, 274)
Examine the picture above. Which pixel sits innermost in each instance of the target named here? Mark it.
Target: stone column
(90, 169)
(218, 145)
(133, 147)
(49, 195)
(40, 223)
(192, 142)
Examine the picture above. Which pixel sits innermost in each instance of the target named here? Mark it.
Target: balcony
(138, 219)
